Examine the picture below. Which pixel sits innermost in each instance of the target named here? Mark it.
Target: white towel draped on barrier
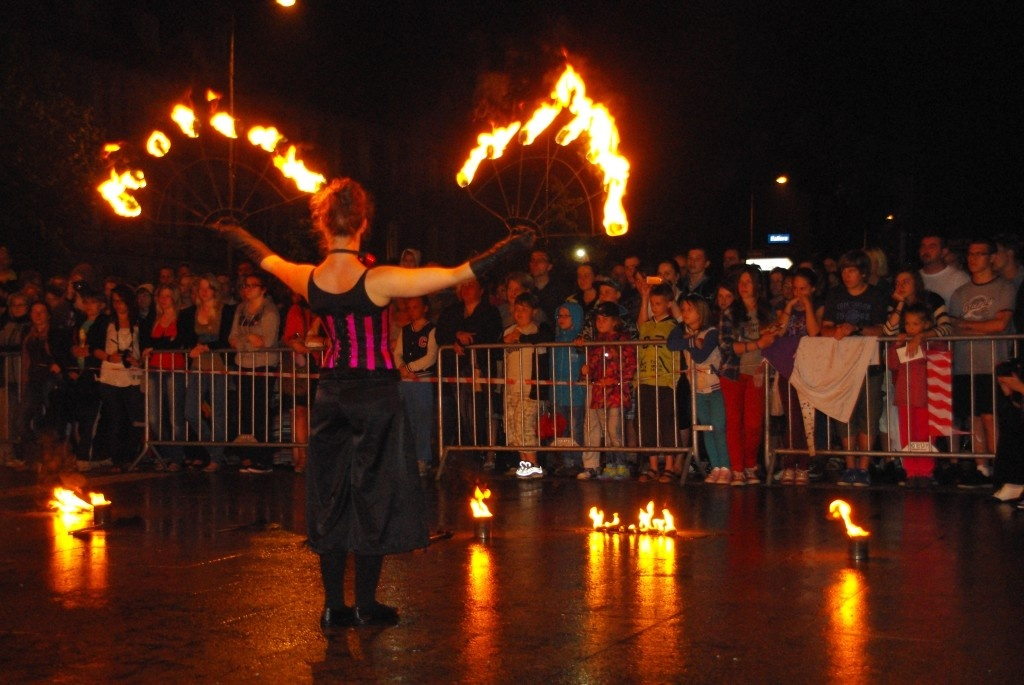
(829, 373)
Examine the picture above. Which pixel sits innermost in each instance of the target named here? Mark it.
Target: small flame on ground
(647, 523)
(839, 509)
(67, 502)
(110, 148)
(224, 124)
(158, 144)
(212, 95)
(116, 191)
(480, 509)
(295, 169)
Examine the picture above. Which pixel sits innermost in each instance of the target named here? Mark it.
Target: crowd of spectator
(82, 342)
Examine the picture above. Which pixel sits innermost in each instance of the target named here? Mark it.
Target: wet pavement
(205, 578)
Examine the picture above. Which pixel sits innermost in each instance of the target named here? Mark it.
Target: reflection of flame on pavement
(589, 117)
(839, 509)
(480, 509)
(647, 522)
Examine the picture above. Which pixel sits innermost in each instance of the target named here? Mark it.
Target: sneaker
(622, 472)
(528, 470)
(750, 477)
(802, 477)
(174, 467)
(862, 479)
(738, 479)
(587, 474)
(608, 473)
(212, 467)
(788, 477)
(848, 478)
(724, 476)
(1009, 492)
(257, 468)
(714, 475)
(974, 480)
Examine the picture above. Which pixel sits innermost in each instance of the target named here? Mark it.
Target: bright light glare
(286, 3)
(581, 253)
(782, 180)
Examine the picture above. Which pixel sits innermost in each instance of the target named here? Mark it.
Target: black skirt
(363, 491)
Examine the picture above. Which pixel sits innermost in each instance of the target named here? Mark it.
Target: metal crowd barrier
(885, 417)
(233, 398)
(476, 388)
(10, 400)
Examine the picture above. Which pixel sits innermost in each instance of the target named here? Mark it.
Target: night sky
(871, 108)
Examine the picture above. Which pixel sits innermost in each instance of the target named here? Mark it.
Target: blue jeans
(165, 401)
(213, 390)
(711, 412)
(420, 405)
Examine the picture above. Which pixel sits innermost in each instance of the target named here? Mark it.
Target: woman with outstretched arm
(362, 487)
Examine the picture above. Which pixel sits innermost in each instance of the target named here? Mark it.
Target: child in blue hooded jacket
(570, 392)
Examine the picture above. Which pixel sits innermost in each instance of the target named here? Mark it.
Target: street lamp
(780, 180)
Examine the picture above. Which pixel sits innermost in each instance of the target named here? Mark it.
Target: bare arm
(295, 276)
(386, 282)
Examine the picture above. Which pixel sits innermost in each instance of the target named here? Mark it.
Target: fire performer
(362, 488)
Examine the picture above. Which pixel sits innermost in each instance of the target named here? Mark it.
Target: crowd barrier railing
(949, 434)
(531, 392)
(225, 398)
(10, 401)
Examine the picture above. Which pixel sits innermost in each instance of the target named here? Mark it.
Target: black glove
(243, 241)
(519, 239)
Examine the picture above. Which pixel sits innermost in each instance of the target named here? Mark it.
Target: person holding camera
(120, 376)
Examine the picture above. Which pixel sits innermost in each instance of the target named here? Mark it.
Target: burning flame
(224, 124)
(480, 510)
(839, 509)
(489, 146)
(266, 138)
(67, 502)
(212, 95)
(647, 522)
(116, 191)
(305, 180)
(597, 516)
(602, 143)
(185, 118)
(110, 148)
(158, 144)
